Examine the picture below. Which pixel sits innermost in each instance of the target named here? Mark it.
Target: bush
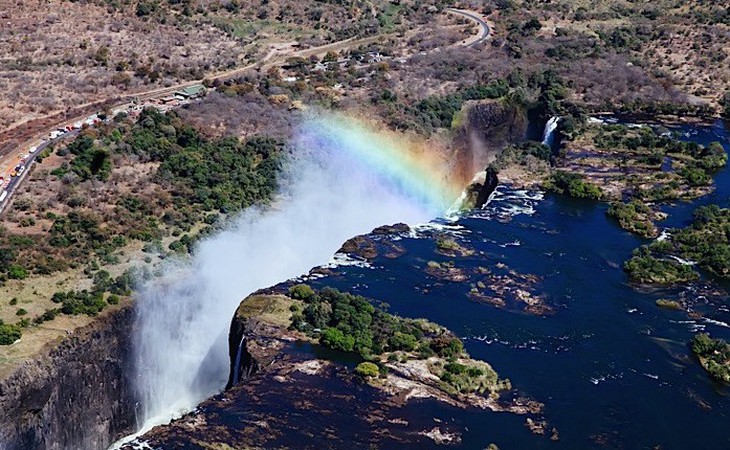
(644, 268)
(367, 369)
(402, 341)
(301, 292)
(714, 355)
(335, 339)
(17, 272)
(9, 334)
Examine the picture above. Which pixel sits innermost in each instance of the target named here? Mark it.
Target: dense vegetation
(714, 355)
(9, 333)
(350, 323)
(574, 185)
(645, 147)
(634, 216)
(224, 174)
(196, 179)
(705, 242)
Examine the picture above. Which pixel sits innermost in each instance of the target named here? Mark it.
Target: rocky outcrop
(77, 395)
(488, 128)
(254, 342)
(478, 192)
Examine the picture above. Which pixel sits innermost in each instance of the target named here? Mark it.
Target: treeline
(540, 92)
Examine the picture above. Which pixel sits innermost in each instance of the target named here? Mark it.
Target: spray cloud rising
(343, 180)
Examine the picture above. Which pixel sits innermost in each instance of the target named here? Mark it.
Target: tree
(301, 292)
(402, 341)
(335, 339)
(9, 334)
(367, 369)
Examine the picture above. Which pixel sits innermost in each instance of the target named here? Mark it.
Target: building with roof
(191, 92)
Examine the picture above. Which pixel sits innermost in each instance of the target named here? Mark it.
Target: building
(191, 92)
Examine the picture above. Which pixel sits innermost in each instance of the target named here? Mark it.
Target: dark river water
(612, 368)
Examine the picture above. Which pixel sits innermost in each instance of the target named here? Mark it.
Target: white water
(184, 316)
(548, 136)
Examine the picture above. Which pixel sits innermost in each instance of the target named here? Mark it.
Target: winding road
(275, 56)
(484, 29)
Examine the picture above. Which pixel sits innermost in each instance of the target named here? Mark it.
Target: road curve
(484, 29)
(271, 59)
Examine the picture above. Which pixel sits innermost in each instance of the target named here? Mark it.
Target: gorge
(174, 380)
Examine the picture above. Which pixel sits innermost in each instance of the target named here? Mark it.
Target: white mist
(183, 318)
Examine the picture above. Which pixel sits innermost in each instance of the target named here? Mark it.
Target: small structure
(191, 92)
(170, 99)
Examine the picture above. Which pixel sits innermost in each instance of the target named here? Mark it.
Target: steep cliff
(77, 395)
(486, 129)
(478, 192)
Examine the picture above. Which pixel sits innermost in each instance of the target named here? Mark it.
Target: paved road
(484, 29)
(15, 181)
(272, 58)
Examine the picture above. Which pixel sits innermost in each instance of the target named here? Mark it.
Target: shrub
(574, 185)
(367, 369)
(301, 292)
(335, 339)
(714, 355)
(9, 334)
(17, 272)
(402, 341)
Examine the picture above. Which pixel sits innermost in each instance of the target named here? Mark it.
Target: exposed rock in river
(478, 192)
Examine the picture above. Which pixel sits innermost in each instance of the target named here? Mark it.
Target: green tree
(9, 334)
(367, 369)
(335, 339)
(301, 292)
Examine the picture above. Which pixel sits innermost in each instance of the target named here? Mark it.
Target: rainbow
(413, 169)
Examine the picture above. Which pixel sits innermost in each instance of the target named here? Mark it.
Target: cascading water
(343, 180)
(548, 136)
(237, 364)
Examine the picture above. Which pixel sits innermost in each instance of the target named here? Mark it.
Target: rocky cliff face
(488, 127)
(478, 192)
(78, 395)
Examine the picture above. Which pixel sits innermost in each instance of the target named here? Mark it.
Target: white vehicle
(3, 195)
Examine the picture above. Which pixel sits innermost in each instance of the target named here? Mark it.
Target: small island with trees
(672, 260)
(714, 355)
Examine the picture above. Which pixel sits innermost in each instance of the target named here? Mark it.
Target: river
(610, 366)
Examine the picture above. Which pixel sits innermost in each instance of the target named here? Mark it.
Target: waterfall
(237, 367)
(333, 188)
(548, 136)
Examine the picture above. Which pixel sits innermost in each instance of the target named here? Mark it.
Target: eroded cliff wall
(77, 395)
(486, 129)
